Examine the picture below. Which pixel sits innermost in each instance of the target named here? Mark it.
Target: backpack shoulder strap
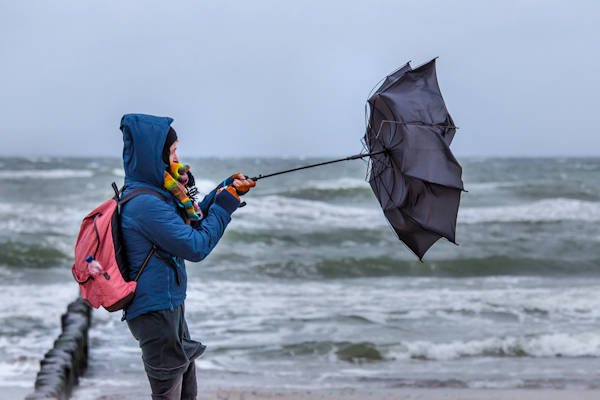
(141, 190)
(132, 194)
(152, 251)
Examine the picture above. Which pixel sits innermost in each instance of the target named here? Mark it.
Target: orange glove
(231, 190)
(228, 198)
(242, 183)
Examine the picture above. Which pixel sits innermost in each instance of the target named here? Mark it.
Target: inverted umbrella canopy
(413, 173)
(411, 96)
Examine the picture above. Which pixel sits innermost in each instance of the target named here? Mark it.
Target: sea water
(310, 287)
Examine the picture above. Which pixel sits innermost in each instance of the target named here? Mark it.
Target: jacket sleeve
(160, 223)
(209, 199)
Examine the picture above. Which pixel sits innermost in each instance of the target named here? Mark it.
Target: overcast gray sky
(253, 78)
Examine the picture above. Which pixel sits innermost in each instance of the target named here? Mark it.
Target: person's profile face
(173, 152)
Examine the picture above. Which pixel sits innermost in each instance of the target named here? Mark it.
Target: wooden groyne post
(66, 361)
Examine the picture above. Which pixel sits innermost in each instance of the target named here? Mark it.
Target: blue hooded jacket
(147, 220)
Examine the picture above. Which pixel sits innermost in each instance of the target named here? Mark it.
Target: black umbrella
(412, 171)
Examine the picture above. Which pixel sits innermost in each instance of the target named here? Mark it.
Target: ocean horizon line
(43, 157)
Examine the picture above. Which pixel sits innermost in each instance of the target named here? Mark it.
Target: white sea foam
(344, 183)
(13, 377)
(546, 345)
(7, 208)
(494, 384)
(527, 305)
(45, 174)
(34, 312)
(278, 212)
(334, 184)
(478, 187)
(58, 219)
(45, 302)
(205, 185)
(118, 172)
(548, 210)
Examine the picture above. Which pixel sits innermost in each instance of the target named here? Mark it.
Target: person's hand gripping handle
(242, 183)
(240, 186)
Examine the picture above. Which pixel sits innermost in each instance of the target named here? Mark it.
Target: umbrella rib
(382, 100)
(420, 124)
(388, 192)
(383, 163)
(434, 183)
(379, 162)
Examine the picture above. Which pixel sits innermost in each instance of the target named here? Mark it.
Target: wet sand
(402, 394)
(359, 394)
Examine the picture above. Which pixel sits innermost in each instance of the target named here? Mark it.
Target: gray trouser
(182, 387)
(168, 353)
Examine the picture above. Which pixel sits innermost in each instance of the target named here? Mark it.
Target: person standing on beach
(179, 232)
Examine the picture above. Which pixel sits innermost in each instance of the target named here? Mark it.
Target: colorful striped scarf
(175, 180)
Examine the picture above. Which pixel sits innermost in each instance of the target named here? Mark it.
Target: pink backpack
(100, 238)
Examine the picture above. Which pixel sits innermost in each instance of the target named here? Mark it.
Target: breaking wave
(279, 212)
(369, 266)
(45, 174)
(548, 210)
(343, 351)
(343, 187)
(535, 346)
(546, 345)
(31, 255)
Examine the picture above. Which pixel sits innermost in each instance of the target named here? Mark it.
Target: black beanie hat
(171, 138)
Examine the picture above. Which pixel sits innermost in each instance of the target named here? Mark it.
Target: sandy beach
(401, 394)
(383, 394)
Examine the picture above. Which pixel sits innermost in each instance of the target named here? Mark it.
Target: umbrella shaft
(354, 157)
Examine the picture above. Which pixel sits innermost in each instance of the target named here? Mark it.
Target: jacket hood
(143, 141)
